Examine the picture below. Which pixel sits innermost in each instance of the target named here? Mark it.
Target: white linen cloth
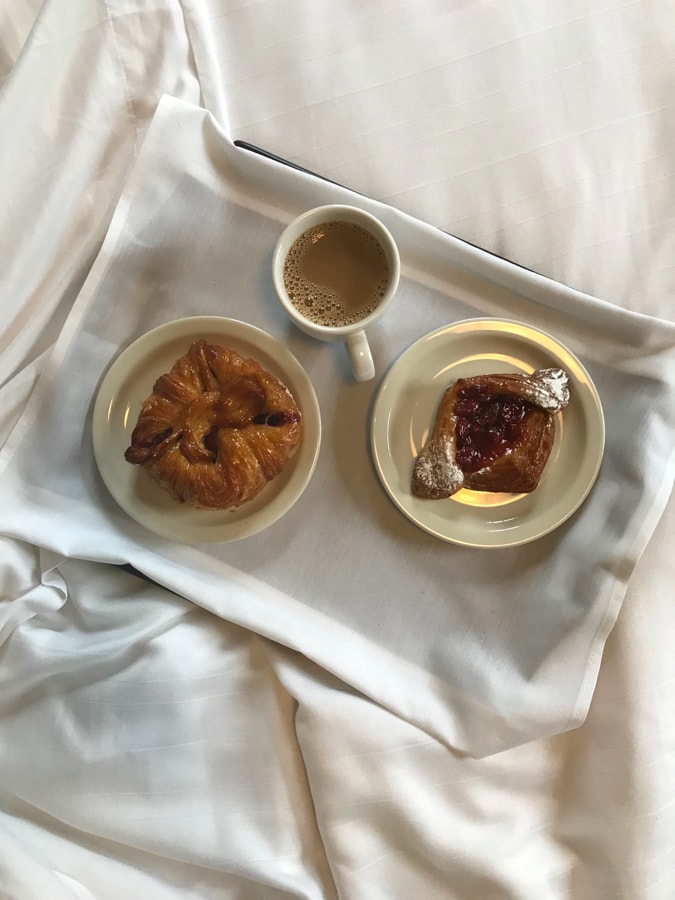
(540, 131)
(481, 656)
(588, 814)
(168, 753)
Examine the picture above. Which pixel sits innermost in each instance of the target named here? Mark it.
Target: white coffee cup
(353, 335)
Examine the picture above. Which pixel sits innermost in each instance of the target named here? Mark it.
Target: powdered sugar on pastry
(549, 389)
(436, 474)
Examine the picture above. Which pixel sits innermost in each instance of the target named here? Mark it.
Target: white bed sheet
(543, 135)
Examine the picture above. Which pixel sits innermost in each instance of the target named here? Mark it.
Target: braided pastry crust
(216, 429)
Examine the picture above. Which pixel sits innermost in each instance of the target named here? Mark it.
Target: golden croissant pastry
(216, 429)
(491, 433)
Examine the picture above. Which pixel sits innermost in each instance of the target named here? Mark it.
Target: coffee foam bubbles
(320, 302)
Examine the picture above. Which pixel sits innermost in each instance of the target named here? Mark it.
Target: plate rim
(505, 326)
(284, 361)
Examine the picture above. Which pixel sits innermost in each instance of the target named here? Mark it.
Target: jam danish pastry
(491, 433)
(216, 429)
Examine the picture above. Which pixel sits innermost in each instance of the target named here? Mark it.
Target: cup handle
(360, 356)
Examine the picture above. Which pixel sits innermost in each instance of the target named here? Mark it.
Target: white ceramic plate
(129, 381)
(405, 409)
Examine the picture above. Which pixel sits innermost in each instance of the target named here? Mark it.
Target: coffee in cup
(335, 269)
(336, 273)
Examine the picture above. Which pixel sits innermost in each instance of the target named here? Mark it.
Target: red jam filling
(487, 425)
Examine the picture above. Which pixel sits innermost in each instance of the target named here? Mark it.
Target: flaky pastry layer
(216, 429)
